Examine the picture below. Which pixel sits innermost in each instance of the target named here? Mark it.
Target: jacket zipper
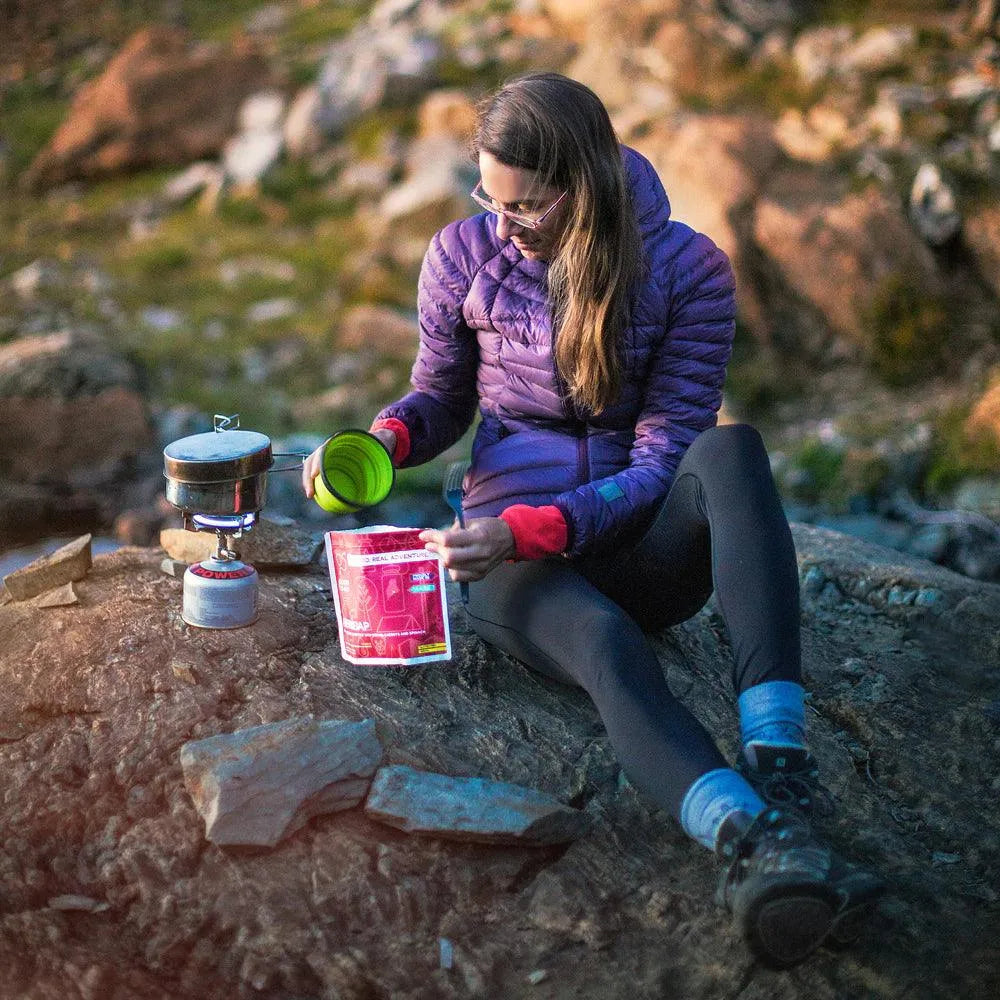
(583, 456)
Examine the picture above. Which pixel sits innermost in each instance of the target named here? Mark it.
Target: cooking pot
(220, 472)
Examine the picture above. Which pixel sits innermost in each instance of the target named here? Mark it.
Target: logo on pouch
(357, 626)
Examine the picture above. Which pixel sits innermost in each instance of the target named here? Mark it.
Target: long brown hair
(559, 128)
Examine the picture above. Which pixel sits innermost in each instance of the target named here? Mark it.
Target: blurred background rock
(219, 207)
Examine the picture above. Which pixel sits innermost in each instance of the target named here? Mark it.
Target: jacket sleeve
(442, 403)
(682, 397)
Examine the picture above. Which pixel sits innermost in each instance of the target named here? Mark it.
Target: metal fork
(452, 493)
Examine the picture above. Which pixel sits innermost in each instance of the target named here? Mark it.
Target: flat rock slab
(474, 809)
(271, 543)
(58, 597)
(71, 562)
(258, 785)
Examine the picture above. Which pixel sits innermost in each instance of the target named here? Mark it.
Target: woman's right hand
(312, 465)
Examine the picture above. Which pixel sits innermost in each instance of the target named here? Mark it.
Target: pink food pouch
(390, 596)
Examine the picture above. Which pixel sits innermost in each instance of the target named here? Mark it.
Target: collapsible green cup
(356, 472)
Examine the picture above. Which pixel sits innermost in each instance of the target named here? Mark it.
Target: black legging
(581, 621)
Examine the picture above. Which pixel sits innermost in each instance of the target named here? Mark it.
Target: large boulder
(73, 429)
(390, 58)
(160, 101)
(734, 155)
(982, 235)
(854, 260)
(108, 887)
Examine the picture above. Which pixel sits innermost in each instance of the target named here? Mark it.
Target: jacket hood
(652, 206)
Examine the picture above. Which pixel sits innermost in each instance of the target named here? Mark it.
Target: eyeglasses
(524, 221)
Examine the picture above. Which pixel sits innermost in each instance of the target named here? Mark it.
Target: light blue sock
(712, 798)
(773, 712)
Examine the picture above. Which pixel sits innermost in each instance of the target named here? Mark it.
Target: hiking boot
(788, 892)
(860, 890)
(786, 777)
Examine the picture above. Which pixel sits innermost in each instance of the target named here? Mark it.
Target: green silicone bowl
(356, 472)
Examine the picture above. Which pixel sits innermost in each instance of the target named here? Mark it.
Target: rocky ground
(109, 890)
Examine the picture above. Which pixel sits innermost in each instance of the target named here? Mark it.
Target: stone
(259, 785)
(158, 102)
(439, 176)
(837, 252)
(447, 112)
(880, 49)
(933, 206)
(993, 137)
(473, 809)
(183, 671)
(987, 14)
(268, 20)
(969, 87)
(978, 498)
(816, 52)
(270, 543)
(984, 417)
(232, 272)
(738, 155)
(63, 365)
(363, 179)
(268, 310)
(981, 233)
(761, 16)
(162, 319)
(813, 136)
(140, 526)
(173, 567)
(38, 276)
(378, 329)
(302, 134)
(390, 63)
(77, 903)
(69, 562)
(248, 156)
(191, 181)
(58, 597)
(90, 442)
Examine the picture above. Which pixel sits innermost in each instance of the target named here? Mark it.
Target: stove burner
(228, 523)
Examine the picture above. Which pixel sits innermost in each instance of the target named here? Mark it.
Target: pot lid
(217, 456)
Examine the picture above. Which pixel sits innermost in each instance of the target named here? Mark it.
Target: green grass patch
(758, 378)
(908, 331)
(957, 455)
(822, 464)
(30, 112)
(319, 23)
(367, 133)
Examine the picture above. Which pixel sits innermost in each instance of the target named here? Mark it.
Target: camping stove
(221, 591)
(218, 481)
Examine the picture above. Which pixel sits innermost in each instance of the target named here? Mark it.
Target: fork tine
(452, 488)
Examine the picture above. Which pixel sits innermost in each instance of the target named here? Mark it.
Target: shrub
(908, 330)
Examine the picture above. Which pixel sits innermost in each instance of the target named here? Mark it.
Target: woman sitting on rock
(593, 334)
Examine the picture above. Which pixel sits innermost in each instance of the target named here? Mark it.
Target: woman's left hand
(469, 553)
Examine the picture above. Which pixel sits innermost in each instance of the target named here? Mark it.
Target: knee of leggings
(728, 443)
(608, 648)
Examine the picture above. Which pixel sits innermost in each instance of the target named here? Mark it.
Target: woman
(593, 332)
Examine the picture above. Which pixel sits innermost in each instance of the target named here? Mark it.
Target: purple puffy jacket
(486, 339)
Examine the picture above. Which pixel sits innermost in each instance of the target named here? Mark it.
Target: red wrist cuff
(402, 433)
(538, 531)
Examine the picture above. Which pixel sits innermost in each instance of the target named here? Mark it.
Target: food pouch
(389, 592)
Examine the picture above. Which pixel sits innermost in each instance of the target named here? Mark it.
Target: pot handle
(301, 456)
